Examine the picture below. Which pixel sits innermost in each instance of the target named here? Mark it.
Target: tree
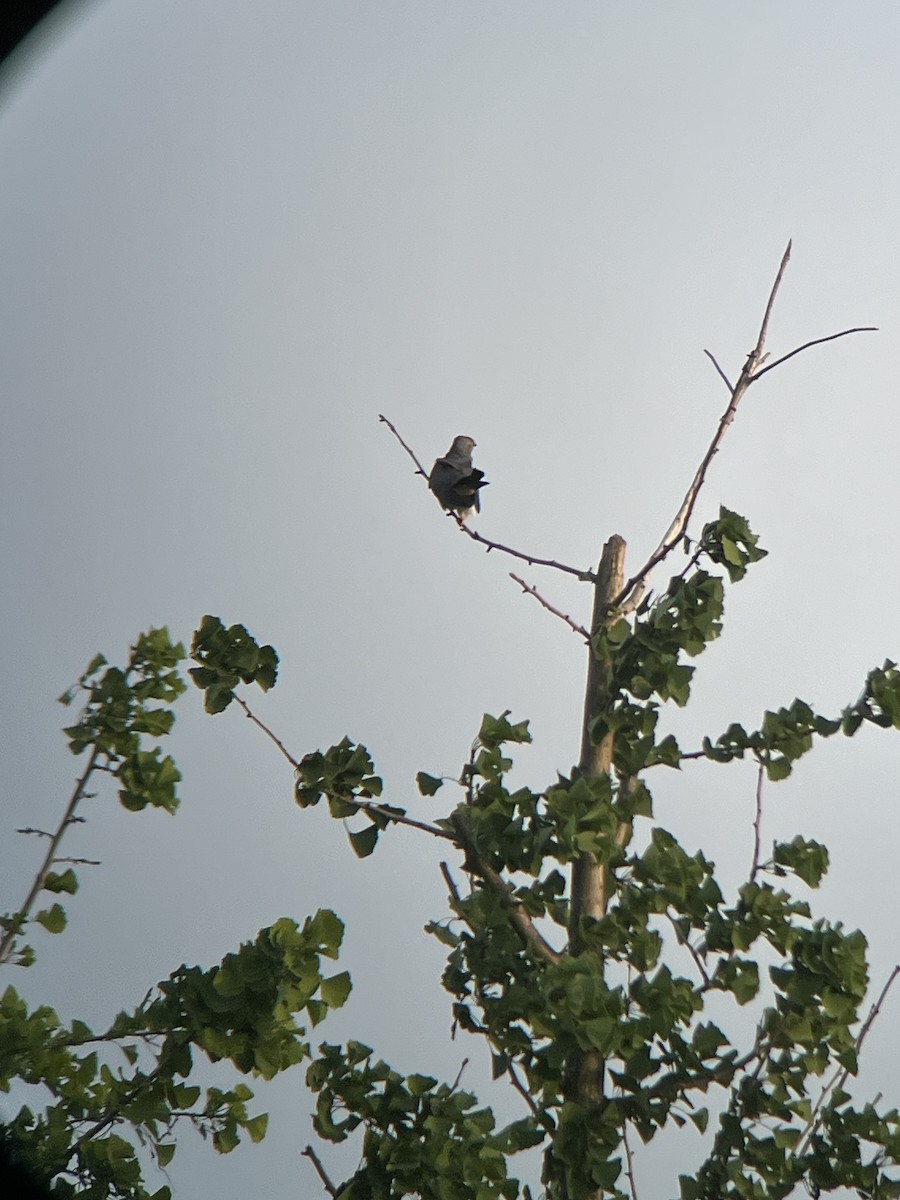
(587, 958)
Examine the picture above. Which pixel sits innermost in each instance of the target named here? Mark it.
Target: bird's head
(462, 446)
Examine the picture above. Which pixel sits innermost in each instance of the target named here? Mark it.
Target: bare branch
(420, 470)
(251, 716)
(521, 1088)
(451, 884)
(320, 1170)
(532, 591)
(756, 353)
(751, 371)
(629, 1161)
(815, 342)
(722, 375)
(683, 941)
(757, 823)
(459, 1074)
(37, 832)
(531, 559)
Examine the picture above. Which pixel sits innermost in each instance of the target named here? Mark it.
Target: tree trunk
(589, 882)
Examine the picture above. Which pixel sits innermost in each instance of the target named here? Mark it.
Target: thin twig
(630, 1162)
(451, 884)
(684, 941)
(755, 354)
(712, 359)
(320, 1170)
(420, 470)
(80, 862)
(459, 1074)
(489, 545)
(532, 591)
(251, 716)
(757, 823)
(521, 1088)
(38, 832)
(531, 559)
(815, 342)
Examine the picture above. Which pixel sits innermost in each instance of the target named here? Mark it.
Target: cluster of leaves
(344, 776)
(133, 1077)
(121, 709)
(226, 658)
(119, 712)
(421, 1137)
(101, 1095)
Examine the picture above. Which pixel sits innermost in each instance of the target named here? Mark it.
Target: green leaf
(53, 919)
(334, 991)
(778, 769)
(807, 859)
(427, 784)
(67, 881)
(256, 1127)
(700, 1118)
(165, 1152)
(325, 930)
(364, 841)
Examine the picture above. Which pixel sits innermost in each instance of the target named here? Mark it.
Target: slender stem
(630, 1162)
(521, 1088)
(320, 1170)
(420, 470)
(722, 375)
(531, 559)
(532, 591)
(683, 941)
(251, 716)
(459, 1074)
(757, 823)
(815, 342)
(451, 884)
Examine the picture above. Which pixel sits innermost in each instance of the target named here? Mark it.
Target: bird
(455, 482)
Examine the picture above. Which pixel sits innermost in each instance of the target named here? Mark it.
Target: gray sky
(231, 236)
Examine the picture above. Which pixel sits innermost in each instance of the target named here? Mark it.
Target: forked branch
(752, 370)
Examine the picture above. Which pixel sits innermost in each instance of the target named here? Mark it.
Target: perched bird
(455, 481)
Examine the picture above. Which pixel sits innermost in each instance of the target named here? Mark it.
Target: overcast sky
(232, 235)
